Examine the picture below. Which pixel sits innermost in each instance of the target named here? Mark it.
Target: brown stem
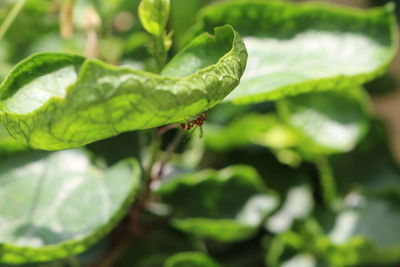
(112, 256)
(66, 24)
(163, 129)
(145, 195)
(91, 23)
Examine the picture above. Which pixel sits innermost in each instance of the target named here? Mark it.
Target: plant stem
(112, 257)
(16, 9)
(145, 193)
(154, 151)
(327, 181)
(170, 150)
(160, 51)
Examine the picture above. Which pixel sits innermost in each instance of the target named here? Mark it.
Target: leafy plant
(290, 168)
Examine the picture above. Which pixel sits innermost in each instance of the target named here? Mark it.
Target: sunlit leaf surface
(56, 205)
(328, 122)
(297, 48)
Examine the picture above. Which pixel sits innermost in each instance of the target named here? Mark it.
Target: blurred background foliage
(329, 201)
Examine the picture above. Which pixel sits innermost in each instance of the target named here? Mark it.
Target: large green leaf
(328, 122)
(297, 48)
(58, 101)
(227, 205)
(56, 205)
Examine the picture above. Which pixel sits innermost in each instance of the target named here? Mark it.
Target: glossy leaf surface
(58, 101)
(328, 122)
(298, 48)
(56, 205)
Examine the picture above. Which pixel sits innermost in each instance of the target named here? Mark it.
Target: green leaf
(226, 205)
(154, 15)
(251, 128)
(328, 122)
(56, 205)
(58, 101)
(248, 130)
(192, 259)
(297, 48)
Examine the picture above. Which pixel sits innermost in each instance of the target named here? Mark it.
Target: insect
(197, 122)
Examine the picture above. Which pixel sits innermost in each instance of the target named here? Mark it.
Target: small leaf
(56, 205)
(59, 101)
(228, 205)
(296, 48)
(329, 122)
(192, 259)
(154, 15)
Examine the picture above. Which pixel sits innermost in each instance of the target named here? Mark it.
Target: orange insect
(197, 122)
